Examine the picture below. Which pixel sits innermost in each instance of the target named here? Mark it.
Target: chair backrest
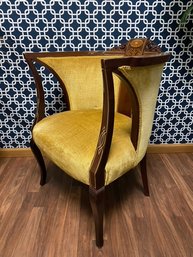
(82, 77)
(145, 81)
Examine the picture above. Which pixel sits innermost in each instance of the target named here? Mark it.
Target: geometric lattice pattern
(92, 25)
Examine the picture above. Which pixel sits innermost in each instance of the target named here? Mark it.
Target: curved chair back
(82, 78)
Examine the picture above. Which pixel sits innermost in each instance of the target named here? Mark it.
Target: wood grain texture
(56, 220)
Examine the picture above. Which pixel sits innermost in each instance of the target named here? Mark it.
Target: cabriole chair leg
(38, 155)
(144, 176)
(97, 205)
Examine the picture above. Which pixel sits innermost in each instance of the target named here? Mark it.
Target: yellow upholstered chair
(99, 139)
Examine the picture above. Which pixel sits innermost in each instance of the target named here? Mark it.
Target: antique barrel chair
(111, 98)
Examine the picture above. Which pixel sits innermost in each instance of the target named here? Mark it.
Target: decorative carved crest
(138, 46)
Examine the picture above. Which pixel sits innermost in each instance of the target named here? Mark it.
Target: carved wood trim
(137, 47)
(101, 142)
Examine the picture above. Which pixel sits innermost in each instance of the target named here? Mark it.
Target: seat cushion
(70, 138)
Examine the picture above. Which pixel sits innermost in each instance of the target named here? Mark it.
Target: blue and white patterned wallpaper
(42, 25)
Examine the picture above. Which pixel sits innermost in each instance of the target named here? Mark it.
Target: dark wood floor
(56, 221)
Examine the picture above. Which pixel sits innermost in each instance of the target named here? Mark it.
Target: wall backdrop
(42, 25)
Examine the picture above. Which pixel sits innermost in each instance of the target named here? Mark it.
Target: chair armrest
(97, 168)
(110, 66)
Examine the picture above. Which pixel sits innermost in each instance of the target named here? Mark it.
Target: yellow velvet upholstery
(82, 77)
(145, 81)
(69, 139)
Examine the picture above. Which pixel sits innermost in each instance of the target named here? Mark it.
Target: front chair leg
(38, 155)
(144, 175)
(97, 205)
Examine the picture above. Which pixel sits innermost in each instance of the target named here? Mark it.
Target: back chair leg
(38, 155)
(97, 205)
(144, 176)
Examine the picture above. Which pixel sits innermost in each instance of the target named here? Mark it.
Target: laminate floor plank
(56, 220)
(52, 221)
(26, 238)
(181, 184)
(171, 208)
(13, 192)
(3, 163)
(139, 213)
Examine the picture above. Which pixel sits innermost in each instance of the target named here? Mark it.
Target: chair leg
(144, 176)
(97, 205)
(38, 155)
